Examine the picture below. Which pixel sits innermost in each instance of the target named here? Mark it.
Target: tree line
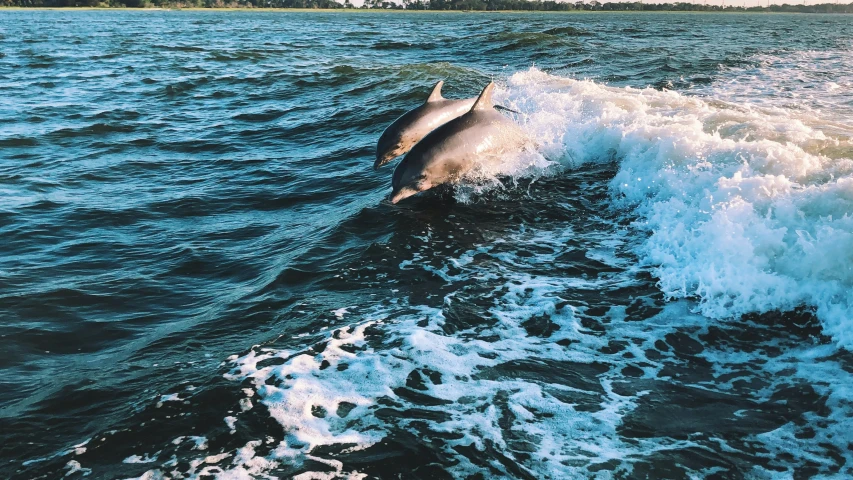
(464, 5)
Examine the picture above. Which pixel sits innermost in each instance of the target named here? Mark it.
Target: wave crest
(744, 207)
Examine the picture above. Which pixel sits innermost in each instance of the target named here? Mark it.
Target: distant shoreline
(727, 10)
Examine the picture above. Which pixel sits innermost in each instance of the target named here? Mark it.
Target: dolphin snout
(402, 194)
(382, 159)
(385, 155)
(387, 148)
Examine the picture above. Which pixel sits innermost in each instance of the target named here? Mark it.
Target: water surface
(200, 273)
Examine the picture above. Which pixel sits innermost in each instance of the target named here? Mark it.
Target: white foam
(329, 395)
(151, 475)
(795, 81)
(339, 313)
(74, 466)
(199, 443)
(231, 422)
(174, 397)
(140, 459)
(746, 209)
(309, 388)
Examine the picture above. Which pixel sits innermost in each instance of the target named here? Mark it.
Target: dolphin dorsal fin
(484, 101)
(436, 92)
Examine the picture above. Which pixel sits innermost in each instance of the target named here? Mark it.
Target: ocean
(201, 275)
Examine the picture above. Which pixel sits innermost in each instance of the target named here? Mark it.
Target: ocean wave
(568, 32)
(746, 209)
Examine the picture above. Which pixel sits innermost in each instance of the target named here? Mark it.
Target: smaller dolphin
(415, 124)
(455, 148)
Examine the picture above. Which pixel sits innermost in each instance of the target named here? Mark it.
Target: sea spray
(744, 209)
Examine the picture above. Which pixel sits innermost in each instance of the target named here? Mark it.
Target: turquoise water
(200, 273)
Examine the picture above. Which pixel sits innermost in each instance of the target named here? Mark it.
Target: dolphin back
(484, 101)
(405, 132)
(449, 152)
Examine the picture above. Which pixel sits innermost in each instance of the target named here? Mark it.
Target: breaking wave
(746, 208)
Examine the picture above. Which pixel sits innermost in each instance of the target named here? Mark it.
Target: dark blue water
(200, 273)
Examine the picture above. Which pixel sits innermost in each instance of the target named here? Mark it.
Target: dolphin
(415, 124)
(450, 151)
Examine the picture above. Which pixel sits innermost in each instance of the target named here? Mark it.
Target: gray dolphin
(415, 124)
(453, 149)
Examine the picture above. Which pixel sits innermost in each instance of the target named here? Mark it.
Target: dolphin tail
(436, 93)
(484, 101)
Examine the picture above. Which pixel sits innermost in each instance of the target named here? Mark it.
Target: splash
(746, 208)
